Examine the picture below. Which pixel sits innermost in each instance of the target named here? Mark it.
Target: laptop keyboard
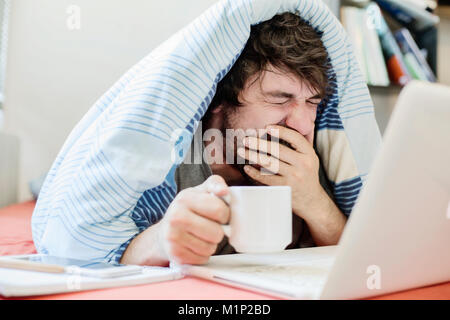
(304, 273)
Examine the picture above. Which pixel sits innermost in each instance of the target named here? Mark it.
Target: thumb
(214, 184)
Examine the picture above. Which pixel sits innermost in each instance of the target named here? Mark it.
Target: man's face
(275, 98)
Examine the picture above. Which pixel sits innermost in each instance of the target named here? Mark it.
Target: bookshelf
(395, 41)
(385, 88)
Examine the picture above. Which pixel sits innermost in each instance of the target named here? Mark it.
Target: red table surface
(15, 238)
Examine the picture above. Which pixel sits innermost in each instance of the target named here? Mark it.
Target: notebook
(16, 283)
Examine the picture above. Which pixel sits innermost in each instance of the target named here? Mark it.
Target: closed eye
(280, 103)
(313, 103)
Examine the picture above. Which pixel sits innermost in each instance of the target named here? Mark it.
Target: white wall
(54, 74)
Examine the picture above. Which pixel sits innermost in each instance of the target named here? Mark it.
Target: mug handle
(227, 199)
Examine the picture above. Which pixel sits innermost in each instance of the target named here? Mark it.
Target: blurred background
(57, 57)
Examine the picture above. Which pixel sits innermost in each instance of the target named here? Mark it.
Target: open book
(297, 273)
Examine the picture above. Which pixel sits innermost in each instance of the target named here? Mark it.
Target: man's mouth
(241, 162)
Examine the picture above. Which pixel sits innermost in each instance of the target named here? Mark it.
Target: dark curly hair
(286, 42)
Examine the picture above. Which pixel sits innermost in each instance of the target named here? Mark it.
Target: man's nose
(301, 119)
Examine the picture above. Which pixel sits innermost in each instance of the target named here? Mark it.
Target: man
(276, 85)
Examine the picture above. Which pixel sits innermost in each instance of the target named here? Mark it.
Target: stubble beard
(230, 146)
(228, 123)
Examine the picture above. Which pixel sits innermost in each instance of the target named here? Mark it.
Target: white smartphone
(54, 264)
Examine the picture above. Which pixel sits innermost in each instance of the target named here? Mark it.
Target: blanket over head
(114, 175)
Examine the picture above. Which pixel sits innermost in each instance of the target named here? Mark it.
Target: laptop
(398, 235)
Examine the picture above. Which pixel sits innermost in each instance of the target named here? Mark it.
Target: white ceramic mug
(261, 218)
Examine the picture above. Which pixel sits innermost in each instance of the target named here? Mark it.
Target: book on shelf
(374, 53)
(376, 49)
(413, 55)
(376, 45)
(409, 13)
(429, 5)
(398, 71)
(350, 23)
(366, 44)
(425, 39)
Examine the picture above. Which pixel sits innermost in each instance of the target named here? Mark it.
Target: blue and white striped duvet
(114, 175)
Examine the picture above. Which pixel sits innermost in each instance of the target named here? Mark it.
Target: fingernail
(227, 198)
(272, 131)
(245, 141)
